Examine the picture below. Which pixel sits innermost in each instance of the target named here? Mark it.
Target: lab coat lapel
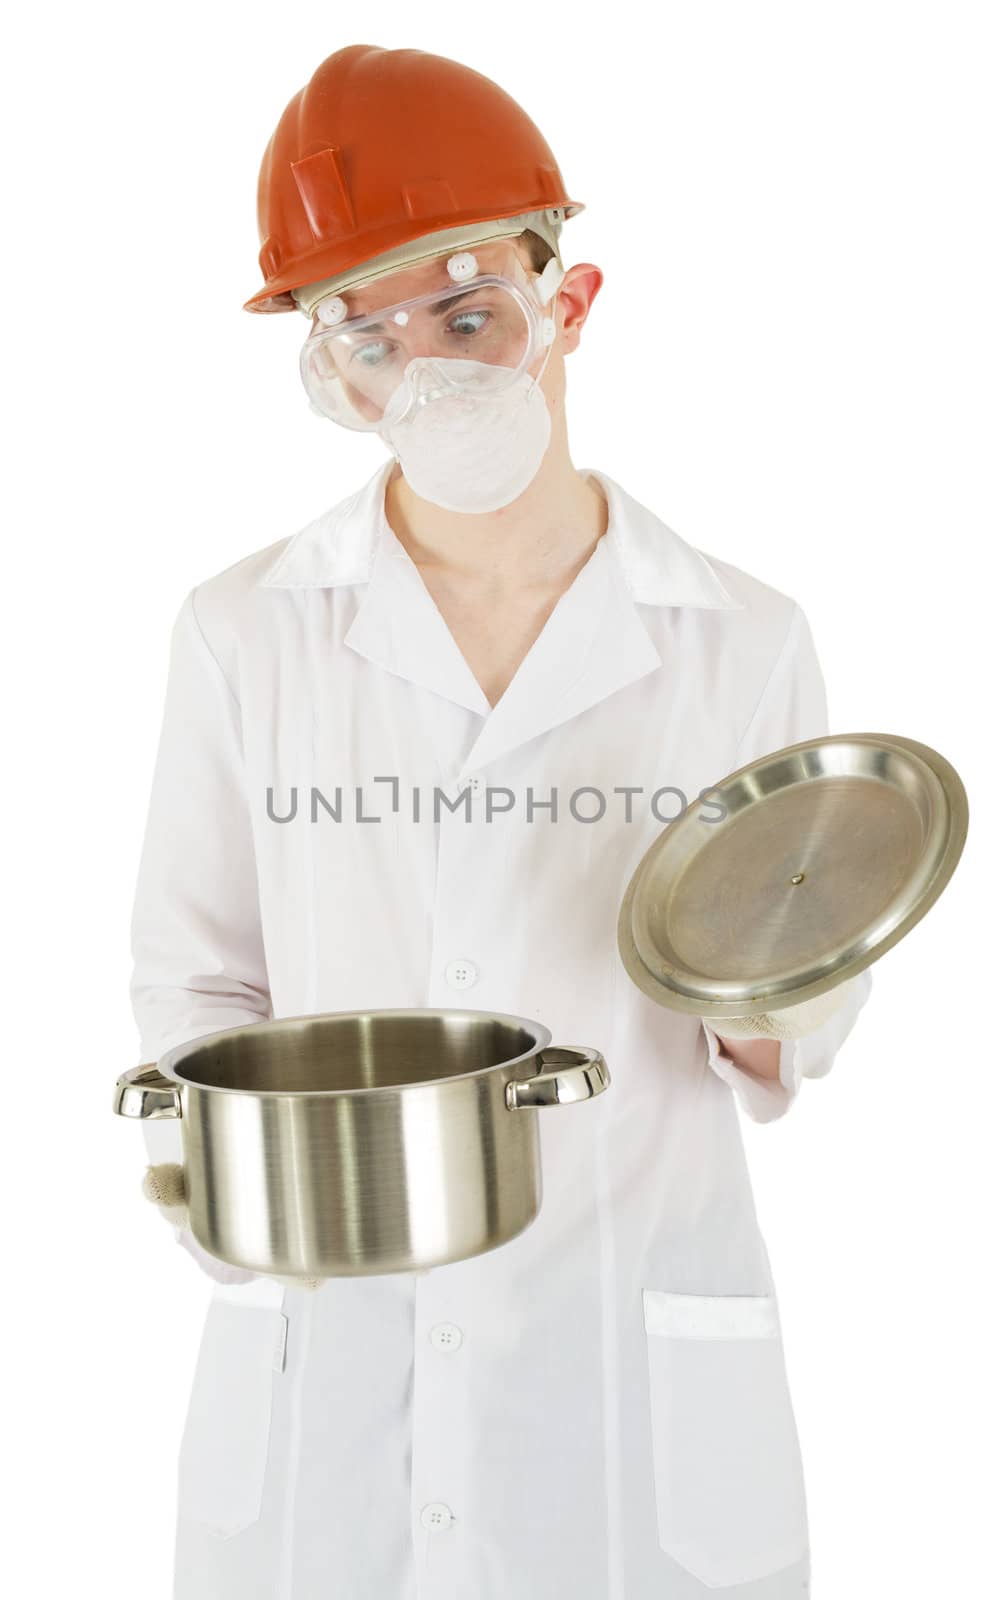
(399, 627)
(593, 643)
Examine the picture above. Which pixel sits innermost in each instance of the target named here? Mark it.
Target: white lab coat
(598, 1409)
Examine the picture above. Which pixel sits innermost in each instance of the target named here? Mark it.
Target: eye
(470, 323)
(372, 355)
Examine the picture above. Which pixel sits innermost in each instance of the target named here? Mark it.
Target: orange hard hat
(383, 147)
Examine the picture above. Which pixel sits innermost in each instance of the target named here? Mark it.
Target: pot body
(362, 1142)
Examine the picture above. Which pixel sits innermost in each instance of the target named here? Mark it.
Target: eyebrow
(436, 311)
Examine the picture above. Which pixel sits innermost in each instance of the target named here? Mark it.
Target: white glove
(791, 1023)
(164, 1186)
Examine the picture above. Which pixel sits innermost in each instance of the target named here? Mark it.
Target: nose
(415, 341)
(425, 374)
(416, 384)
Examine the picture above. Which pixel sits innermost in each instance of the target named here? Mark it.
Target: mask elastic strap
(547, 352)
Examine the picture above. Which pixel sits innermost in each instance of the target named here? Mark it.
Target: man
(599, 1408)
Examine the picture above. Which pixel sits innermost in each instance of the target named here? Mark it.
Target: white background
(785, 363)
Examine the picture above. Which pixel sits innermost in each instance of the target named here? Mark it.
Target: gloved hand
(791, 1023)
(164, 1186)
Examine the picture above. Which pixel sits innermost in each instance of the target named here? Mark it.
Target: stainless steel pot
(365, 1141)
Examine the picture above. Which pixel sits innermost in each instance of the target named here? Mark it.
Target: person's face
(484, 324)
(359, 366)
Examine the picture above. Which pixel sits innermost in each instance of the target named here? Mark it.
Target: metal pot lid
(793, 874)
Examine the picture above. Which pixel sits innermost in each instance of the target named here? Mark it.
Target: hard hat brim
(327, 271)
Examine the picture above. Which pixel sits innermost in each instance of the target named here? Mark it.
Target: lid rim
(668, 979)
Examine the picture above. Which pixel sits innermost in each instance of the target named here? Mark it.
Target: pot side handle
(564, 1075)
(145, 1092)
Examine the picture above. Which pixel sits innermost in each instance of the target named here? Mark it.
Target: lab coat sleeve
(791, 707)
(196, 939)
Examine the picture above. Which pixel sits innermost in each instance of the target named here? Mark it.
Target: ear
(582, 284)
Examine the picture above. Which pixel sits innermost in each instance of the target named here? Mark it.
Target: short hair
(537, 250)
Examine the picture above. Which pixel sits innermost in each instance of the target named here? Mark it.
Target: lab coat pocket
(727, 1463)
(222, 1460)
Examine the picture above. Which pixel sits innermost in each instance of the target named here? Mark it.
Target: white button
(436, 1515)
(446, 1336)
(467, 782)
(461, 974)
(462, 267)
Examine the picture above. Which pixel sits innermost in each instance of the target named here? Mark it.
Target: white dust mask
(473, 450)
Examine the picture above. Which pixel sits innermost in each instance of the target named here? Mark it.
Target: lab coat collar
(659, 567)
(594, 642)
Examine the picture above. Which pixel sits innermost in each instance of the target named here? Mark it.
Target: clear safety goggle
(353, 369)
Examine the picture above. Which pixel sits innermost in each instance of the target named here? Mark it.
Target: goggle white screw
(462, 267)
(332, 311)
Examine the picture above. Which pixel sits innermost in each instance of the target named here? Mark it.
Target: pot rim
(168, 1062)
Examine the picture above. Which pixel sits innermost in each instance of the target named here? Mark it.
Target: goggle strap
(547, 282)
